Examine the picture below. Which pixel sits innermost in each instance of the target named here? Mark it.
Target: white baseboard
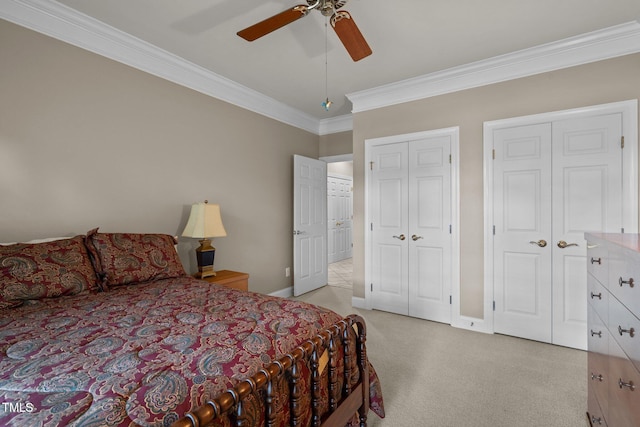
(283, 293)
(472, 324)
(358, 302)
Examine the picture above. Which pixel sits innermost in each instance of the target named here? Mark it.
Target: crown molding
(336, 124)
(66, 24)
(595, 46)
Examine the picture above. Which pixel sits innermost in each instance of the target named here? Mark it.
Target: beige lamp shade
(204, 222)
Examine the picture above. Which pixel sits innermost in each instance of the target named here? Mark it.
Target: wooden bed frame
(343, 404)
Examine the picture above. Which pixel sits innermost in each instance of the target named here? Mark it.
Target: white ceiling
(409, 38)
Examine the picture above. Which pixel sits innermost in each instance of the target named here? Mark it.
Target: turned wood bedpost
(333, 371)
(314, 364)
(346, 387)
(363, 364)
(295, 392)
(269, 409)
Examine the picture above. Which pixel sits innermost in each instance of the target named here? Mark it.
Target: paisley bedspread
(143, 355)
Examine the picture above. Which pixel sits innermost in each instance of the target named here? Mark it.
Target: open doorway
(340, 220)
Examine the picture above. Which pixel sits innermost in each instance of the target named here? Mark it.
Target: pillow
(126, 258)
(45, 270)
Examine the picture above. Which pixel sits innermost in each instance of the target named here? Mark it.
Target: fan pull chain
(326, 104)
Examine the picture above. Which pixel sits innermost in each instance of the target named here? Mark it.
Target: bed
(107, 329)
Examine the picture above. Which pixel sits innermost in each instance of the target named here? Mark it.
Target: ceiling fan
(341, 21)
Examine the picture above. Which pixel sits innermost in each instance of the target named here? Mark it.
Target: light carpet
(434, 375)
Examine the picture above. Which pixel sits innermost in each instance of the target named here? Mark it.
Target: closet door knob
(541, 243)
(562, 244)
(400, 237)
(414, 237)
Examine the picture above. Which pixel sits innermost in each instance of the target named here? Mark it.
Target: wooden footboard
(343, 404)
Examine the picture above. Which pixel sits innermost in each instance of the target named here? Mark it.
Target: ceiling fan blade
(350, 35)
(263, 28)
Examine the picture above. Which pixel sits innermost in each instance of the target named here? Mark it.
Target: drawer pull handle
(628, 385)
(629, 331)
(594, 260)
(594, 333)
(596, 377)
(595, 420)
(626, 282)
(599, 296)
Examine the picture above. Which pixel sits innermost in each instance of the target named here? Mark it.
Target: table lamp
(204, 223)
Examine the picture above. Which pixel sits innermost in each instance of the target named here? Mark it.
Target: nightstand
(230, 279)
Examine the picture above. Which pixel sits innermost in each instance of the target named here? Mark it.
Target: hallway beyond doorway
(341, 274)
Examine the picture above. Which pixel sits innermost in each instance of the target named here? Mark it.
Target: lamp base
(205, 254)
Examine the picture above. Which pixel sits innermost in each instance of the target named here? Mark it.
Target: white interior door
(429, 236)
(522, 220)
(389, 228)
(340, 218)
(587, 176)
(552, 182)
(310, 224)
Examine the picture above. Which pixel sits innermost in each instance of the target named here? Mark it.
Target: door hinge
(493, 153)
(371, 165)
(622, 142)
(372, 287)
(622, 230)
(449, 158)
(371, 226)
(494, 306)
(449, 228)
(494, 230)
(450, 300)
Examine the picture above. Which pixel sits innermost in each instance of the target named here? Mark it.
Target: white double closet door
(552, 182)
(410, 211)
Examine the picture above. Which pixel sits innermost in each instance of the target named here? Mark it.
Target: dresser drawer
(598, 297)
(597, 261)
(625, 329)
(594, 412)
(598, 359)
(624, 278)
(624, 398)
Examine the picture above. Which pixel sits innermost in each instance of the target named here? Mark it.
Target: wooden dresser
(230, 279)
(613, 280)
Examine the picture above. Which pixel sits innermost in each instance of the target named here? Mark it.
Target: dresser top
(626, 240)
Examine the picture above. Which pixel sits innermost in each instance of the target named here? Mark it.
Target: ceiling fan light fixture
(341, 21)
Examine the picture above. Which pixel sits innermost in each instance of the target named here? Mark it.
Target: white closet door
(522, 218)
(587, 183)
(429, 236)
(552, 183)
(389, 222)
(340, 220)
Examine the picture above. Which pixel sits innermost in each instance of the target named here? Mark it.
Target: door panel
(340, 218)
(310, 224)
(522, 209)
(389, 218)
(587, 171)
(429, 222)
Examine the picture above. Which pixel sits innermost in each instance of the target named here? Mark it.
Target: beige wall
(597, 83)
(336, 144)
(87, 142)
